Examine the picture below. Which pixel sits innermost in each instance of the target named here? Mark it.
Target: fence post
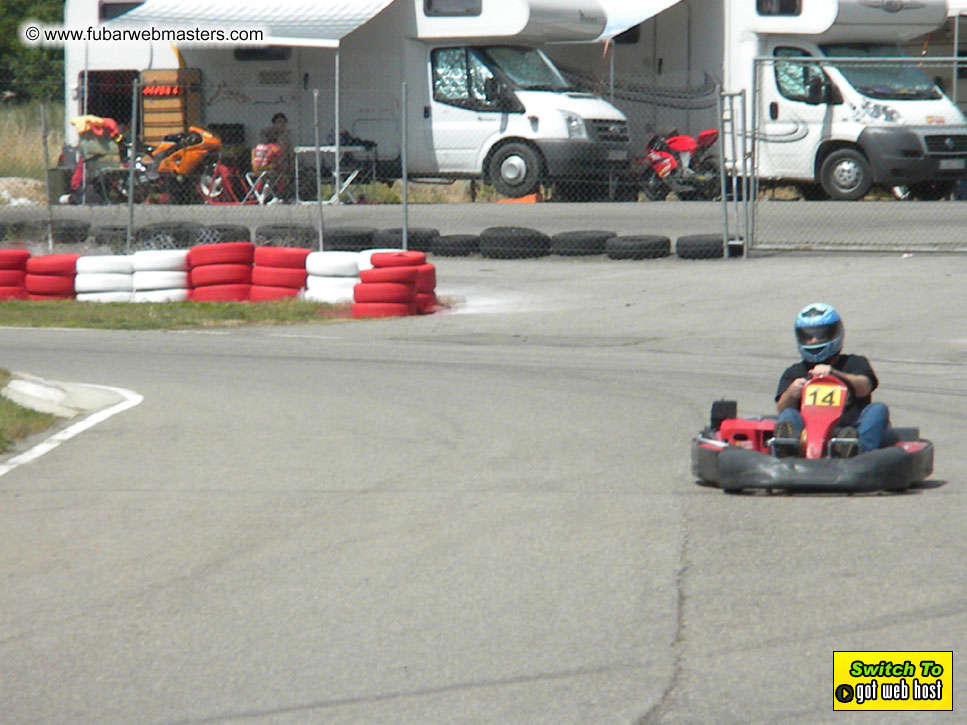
(315, 122)
(132, 160)
(405, 177)
(50, 211)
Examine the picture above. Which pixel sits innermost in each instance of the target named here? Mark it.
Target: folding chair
(102, 164)
(262, 187)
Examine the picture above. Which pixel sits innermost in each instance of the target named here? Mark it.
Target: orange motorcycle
(171, 169)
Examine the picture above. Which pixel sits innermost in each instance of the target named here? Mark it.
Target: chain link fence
(192, 140)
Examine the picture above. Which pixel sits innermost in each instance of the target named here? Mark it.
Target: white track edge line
(131, 399)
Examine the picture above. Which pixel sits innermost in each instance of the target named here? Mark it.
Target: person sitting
(267, 163)
(819, 336)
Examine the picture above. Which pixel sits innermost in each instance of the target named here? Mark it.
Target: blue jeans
(871, 425)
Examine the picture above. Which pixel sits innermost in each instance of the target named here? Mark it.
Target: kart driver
(819, 335)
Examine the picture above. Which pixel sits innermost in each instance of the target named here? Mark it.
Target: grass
(165, 316)
(22, 150)
(16, 422)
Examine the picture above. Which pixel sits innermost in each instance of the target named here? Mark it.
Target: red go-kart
(743, 453)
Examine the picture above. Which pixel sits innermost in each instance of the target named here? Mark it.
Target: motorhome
(830, 109)
(483, 101)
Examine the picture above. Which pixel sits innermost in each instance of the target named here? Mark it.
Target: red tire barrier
(12, 277)
(425, 278)
(267, 293)
(279, 276)
(384, 292)
(383, 309)
(13, 292)
(49, 284)
(425, 302)
(222, 253)
(220, 274)
(221, 293)
(403, 275)
(42, 298)
(289, 257)
(398, 259)
(60, 264)
(14, 258)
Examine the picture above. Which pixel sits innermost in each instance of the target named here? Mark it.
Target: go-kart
(735, 453)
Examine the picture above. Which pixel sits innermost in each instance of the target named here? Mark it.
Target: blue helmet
(819, 332)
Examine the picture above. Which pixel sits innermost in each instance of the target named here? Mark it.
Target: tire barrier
(700, 246)
(105, 263)
(51, 276)
(156, 260)
(155, 280)
(13, 273)
(89, 282)
(69, 231)
(365, 259)
(514, 243)
(580, 243)
(456, 245)
(399, 283)
(105, 296)
(278, 273)
(168, 235)
(333, 264)
(219, 233)
(279, 235)
(331, 290)
(418, 239)
(348, 239)
(220, 272)
(638, 246)
(160, 275)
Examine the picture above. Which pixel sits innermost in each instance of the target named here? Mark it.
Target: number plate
(824, 395)
(952, 163)
(622, 155)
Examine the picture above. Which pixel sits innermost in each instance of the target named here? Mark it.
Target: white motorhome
(832, 125)
(483, 98)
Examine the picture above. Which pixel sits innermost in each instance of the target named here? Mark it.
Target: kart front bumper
(888, 469)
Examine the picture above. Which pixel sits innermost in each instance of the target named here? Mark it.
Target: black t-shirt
(852, 364)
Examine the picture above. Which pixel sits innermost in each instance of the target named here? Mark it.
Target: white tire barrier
(161, 295)
(105, 296)
(160, 259)
(333, 290)
(87, 282)
(163, 279)
(333, 264)
(365, 257)
(105, 263)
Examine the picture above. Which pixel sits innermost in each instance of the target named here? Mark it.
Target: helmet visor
(819, 334)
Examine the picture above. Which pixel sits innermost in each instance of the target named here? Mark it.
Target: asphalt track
(484, 515)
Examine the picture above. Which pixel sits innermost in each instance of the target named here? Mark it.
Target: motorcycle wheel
(652, 186)
(210, 185)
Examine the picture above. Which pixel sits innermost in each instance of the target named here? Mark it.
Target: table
(347, 171)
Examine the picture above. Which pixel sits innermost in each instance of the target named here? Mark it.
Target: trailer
(484, 101)
(828, 100)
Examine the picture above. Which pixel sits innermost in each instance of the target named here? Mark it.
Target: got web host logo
(893, 680)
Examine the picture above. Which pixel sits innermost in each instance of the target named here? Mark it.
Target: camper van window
(794, 77)
(463, 8)
(885, 81)
(778, 7)
(269, 52)
(460, 78)
(109, 11)
(528, 68)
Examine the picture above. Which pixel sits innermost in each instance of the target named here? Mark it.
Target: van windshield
(527, 68)
(889, 81)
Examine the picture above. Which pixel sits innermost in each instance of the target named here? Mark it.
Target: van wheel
(515, 170)
(846, 175)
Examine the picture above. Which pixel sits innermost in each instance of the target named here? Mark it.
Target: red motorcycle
(680, 164)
